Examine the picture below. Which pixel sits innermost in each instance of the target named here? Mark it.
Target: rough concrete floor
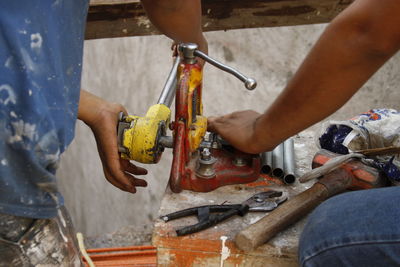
(132, 235)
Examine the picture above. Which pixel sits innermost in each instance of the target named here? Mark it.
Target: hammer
(353, 175)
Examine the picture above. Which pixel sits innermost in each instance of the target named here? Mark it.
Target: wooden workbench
(215, 246)
(123, 18)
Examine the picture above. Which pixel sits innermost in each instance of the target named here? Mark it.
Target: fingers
(132, 169)
(214, 123)
(211, 124)
(122, 184)
(117, 171)
(137, 182)
(120, 174)
(125, 181)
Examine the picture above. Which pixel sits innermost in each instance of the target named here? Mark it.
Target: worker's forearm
(349, 52)
(178, 19)
(88, 107)
(92, 108)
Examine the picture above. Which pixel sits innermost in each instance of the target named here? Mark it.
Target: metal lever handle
(168, 92)
(250, 83)
(190, 51)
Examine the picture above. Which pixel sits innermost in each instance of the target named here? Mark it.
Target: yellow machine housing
(198, 126)
(141, 139)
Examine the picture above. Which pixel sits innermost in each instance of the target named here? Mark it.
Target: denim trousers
(27, 242)
(359, 228)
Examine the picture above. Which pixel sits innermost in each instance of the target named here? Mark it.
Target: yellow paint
(197, 132)
(141, 138)
(199, 127)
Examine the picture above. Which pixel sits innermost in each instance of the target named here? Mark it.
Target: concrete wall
(132, 71)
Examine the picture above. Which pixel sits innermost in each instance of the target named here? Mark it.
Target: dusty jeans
(359, 228)
(38, 242)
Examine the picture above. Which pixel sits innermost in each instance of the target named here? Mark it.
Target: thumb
(211, 121)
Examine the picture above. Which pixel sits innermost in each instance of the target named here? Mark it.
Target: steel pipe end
(289, 178)
(266, 169)
(277, 172)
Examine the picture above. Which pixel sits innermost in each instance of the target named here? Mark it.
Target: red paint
(183, 174)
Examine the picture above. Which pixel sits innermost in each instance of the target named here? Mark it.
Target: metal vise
(201, 161)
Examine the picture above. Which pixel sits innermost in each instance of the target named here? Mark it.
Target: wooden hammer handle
(280, 218)
(380, 151)
(293, 210)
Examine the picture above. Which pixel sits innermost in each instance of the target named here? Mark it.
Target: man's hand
(237, 128)
(102, 116)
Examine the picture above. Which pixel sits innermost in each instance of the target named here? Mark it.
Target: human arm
(351, 49)
(180, 20)
(101, 116)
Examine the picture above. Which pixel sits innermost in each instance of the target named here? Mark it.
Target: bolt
(206, 154)
(239, 161)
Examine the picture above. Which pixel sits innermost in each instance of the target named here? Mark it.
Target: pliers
(263, 201)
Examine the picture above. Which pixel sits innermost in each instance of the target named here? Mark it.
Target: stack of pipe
(280, 162)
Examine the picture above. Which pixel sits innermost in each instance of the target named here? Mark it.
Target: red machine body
(229, 166)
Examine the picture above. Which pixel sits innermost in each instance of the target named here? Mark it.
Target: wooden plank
(108, 19)
(215, 246)
(205, 248)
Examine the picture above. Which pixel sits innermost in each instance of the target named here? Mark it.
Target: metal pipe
(277, 161)
(288, 161)
(266, 162)
(250, 83)
(166, 141)
(168, 92)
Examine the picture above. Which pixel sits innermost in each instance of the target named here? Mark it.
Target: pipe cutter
(202, 161)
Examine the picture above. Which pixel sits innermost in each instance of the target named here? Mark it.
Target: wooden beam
(108, 19)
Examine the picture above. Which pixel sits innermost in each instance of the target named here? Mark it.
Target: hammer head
(363, 176)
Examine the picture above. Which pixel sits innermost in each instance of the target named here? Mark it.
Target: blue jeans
(360, 228)
(27, 242)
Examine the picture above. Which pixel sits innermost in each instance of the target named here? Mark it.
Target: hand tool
(201, 160)
(263, 201)
(335, 162)
(353, 175)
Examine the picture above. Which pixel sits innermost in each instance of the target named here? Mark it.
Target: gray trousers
(38, 242)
